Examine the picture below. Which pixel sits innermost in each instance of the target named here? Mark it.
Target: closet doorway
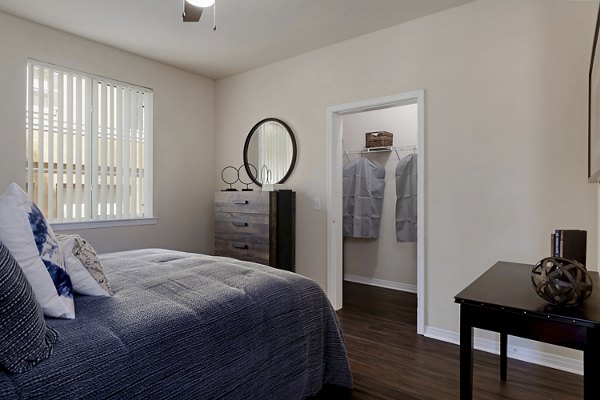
(344, 143)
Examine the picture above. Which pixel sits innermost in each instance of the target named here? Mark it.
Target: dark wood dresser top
(508, 285)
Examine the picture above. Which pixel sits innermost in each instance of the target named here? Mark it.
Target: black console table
(503, 300)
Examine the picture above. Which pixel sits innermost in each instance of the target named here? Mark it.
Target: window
(89, 146)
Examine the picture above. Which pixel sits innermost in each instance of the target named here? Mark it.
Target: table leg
(591, 365)
(503, 355)
(466, 353)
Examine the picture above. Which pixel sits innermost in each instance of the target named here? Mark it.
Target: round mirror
(270, 152)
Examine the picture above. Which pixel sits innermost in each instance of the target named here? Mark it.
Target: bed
(190, 326)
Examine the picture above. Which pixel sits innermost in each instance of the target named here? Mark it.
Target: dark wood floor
(390, 361)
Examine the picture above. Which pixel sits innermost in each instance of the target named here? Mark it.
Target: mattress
(191, 326)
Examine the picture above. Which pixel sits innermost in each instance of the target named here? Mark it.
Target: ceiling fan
(192, 10)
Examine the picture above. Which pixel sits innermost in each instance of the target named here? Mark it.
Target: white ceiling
(250, 33)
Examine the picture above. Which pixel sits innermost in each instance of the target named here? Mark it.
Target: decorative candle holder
(250, 166)
(231, 188)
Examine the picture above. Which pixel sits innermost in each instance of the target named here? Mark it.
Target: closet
(381, 261)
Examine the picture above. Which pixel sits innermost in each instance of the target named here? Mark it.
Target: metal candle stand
(231, 188)
(247, 183)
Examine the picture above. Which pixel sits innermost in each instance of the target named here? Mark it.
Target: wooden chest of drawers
(256, 226)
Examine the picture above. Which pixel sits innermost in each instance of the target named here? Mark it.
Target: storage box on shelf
(379, 139)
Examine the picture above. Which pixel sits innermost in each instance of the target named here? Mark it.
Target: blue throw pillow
(25, 340)
(50, 253)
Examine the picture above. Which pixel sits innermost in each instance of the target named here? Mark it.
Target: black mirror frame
(247, 143)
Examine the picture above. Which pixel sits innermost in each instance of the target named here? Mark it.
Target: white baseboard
(405, 287)
(516, 352)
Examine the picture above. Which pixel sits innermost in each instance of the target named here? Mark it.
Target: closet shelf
(381, 149)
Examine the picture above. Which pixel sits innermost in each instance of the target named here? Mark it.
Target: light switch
(317, 204)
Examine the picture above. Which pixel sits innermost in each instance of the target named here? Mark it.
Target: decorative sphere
(560, 281)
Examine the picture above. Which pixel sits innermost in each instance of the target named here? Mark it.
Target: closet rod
(381, 149)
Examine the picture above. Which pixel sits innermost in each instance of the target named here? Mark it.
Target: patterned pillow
(24, 230)
(84, 267)
(25, 339)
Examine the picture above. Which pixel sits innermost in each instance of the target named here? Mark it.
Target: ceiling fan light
(201, 3)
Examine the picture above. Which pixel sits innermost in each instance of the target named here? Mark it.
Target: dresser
(256, 226)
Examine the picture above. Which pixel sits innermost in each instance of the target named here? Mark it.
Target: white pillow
(82, 279)
(28, 236)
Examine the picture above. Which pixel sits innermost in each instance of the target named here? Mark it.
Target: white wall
(184, 128)
(383, 258)
(505, 131)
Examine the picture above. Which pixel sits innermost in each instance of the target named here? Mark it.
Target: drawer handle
(239, 223)
(240, 246)
(240, 201)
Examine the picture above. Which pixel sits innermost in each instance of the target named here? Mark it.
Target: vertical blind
(274, 152)
(89, 146)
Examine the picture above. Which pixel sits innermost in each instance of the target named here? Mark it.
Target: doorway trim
(335, 276)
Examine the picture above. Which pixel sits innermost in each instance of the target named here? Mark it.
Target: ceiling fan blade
(191, 13)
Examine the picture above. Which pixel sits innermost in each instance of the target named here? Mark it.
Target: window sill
(70, 226)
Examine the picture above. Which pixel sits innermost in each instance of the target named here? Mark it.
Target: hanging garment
(406, 202)
(362, 197)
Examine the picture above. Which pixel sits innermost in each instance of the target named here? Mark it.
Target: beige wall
(382, 258)
(184, 128)
(505, 131)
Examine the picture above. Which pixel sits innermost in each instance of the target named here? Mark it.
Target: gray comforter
(189, 326)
